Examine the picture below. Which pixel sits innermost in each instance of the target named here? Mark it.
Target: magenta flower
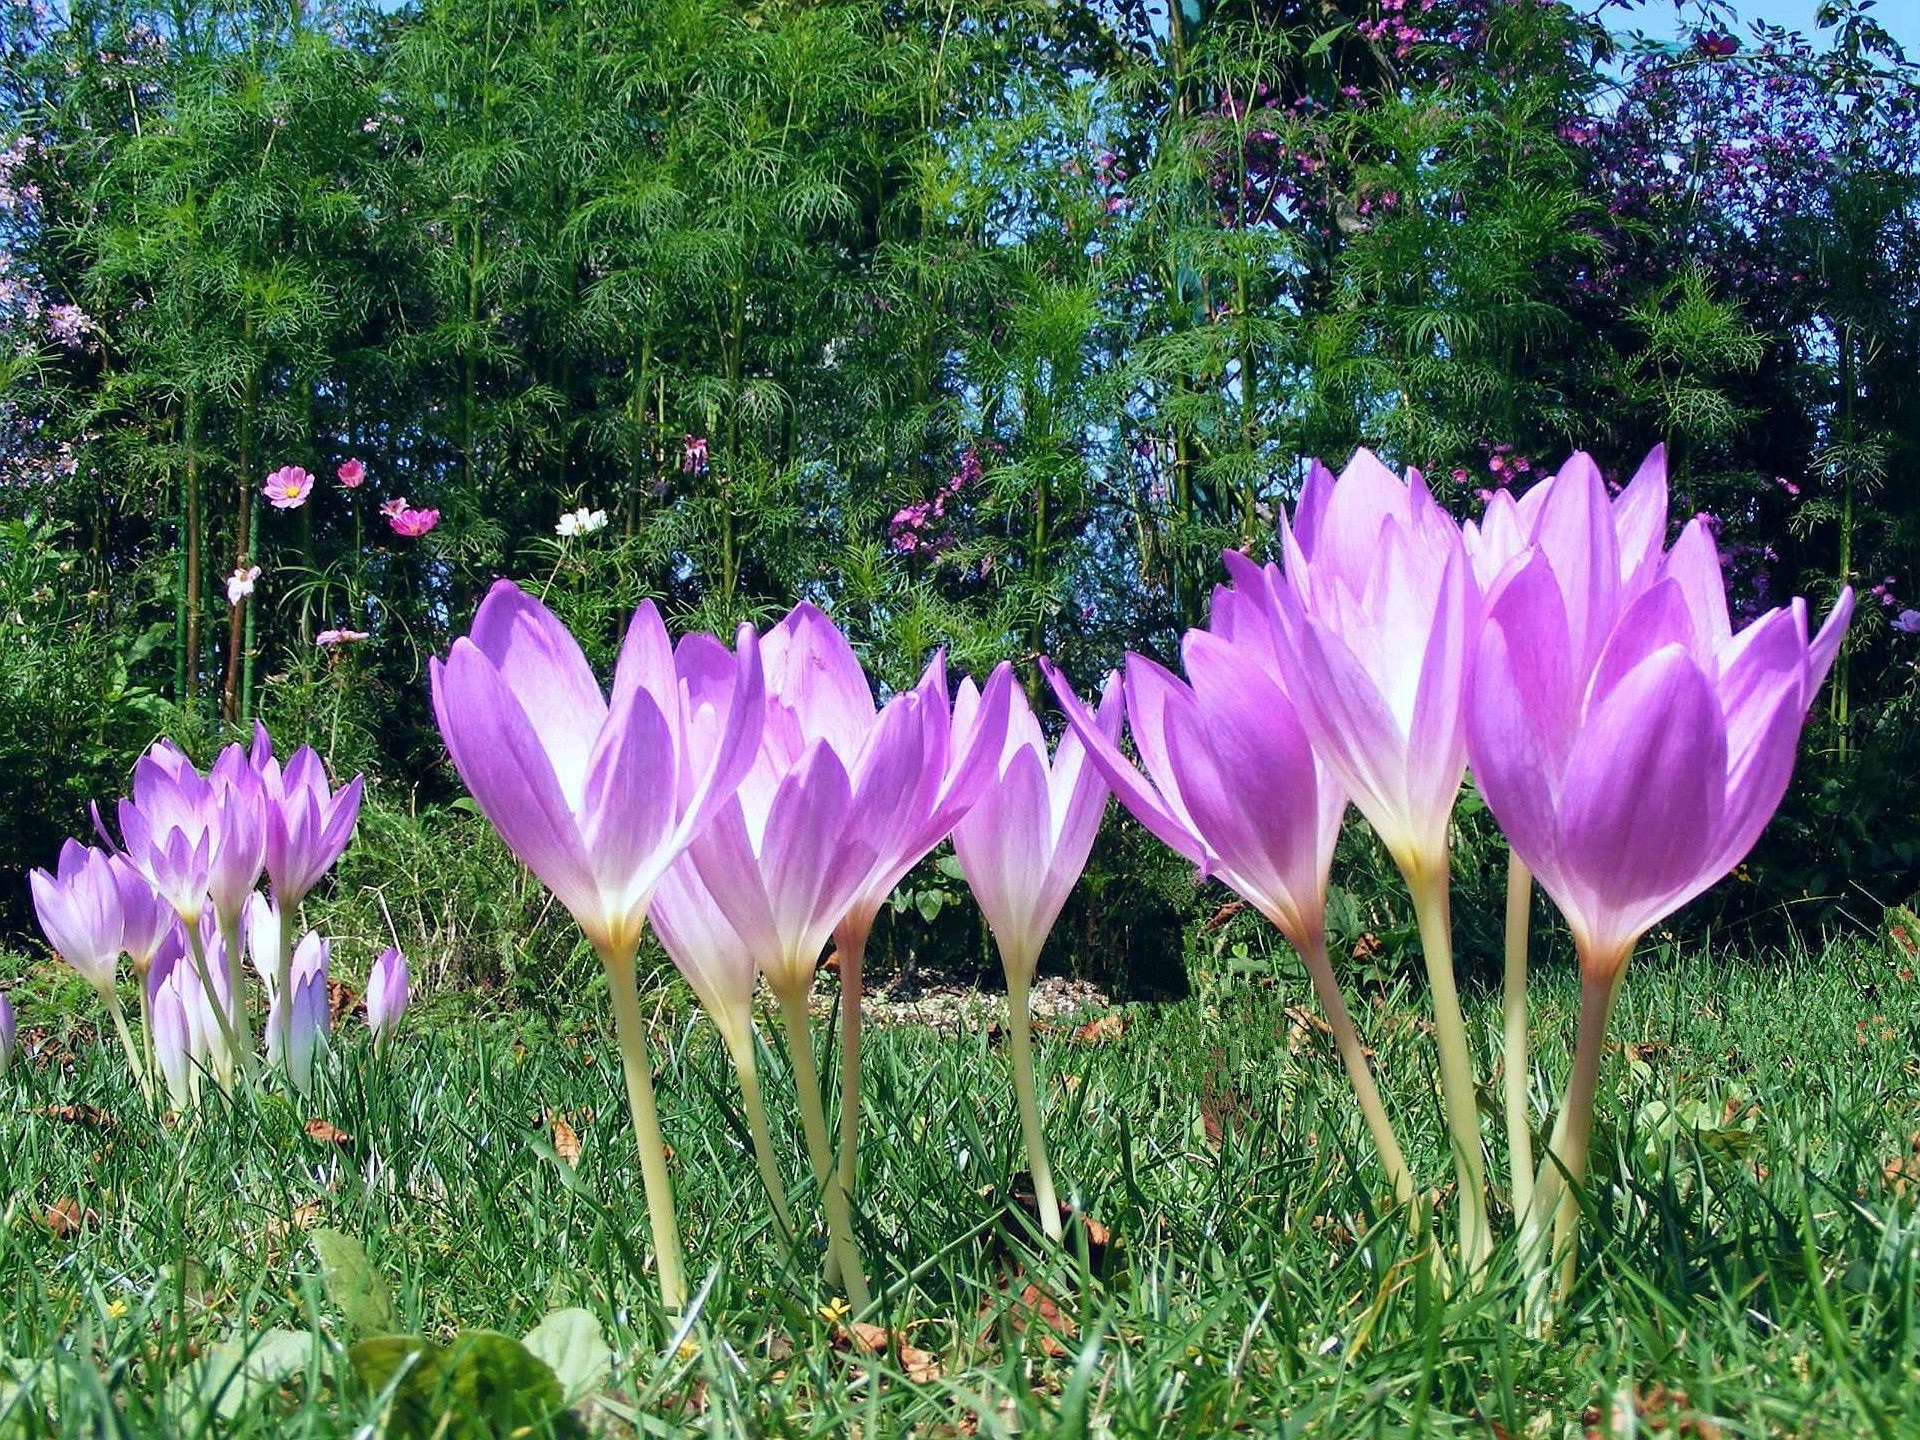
(388, 992)
(1026, 838)
(1631, 786)
(1022, 846)
(351, 474)
(393, 507)
(411, 523)
(288, 487)
(598, 799)
(298, 1015)
(693, 455)
(1375, 623)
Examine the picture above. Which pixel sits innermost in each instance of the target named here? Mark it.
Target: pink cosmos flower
(352, 474)
(394, 506)
(288, 487)
(331, 638)
(411, 523)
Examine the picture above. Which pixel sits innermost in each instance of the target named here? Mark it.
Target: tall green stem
(763, 1152)
(813, 1123)
(630, 1028)
(1431, 906)
(111, 993)
(1019, 992)
(1514, 1056)
(230, 941)
(850, 950)
(1346, 1037)
(1562, 1171)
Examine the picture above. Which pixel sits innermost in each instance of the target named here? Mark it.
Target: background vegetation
(985, 323)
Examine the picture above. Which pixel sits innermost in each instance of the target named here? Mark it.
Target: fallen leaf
(343, 1003)
(304, 1217)
(1101, 1031)
(1221, 916)
(327, 1133)
(868, 1339)
(1367, 946)
(920, 1366)
(566, 1140)
(66, 1216)
(1037, 1312)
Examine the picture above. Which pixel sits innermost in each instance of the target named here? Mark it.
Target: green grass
(1749, 1269)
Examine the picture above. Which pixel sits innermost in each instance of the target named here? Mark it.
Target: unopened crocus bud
(387, 994)
(6, 1033)
(304, 1002)
(174, 1035)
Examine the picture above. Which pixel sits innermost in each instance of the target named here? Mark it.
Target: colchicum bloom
(351, 474)
(6, 1033)
(240, 583)
(1376, 619)
(388, 991)
(298, 1015)
(1232, 784)
(843, 799)
(288, 488)
(1630, 787)
(79, 909)
(599, 798)
(1022, 847)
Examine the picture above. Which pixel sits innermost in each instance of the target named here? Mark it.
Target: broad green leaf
(483, 1386)
(574, 1348)
(354, 1286)
(242, 1368)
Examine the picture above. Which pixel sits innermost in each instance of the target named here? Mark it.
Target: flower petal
(540, 664)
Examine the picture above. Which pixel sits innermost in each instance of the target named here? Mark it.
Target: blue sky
(1900, 18)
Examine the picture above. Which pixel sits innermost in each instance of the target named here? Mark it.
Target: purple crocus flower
(308, 822)
(1631, 786)
(1022, 847)
(79, 910)
(598, 797)
(1228, 779)
(6, 1033)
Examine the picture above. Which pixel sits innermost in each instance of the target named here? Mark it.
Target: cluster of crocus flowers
(759, 805)
(1630, 745)
(178, 899)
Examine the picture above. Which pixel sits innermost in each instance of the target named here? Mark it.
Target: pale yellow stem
(1431, 906)
(630, 1028)
(1353, 1055)
(813, 1123)
(850, 950)
(1026, 1092)
(1515, 1062)
(111, 993)
(763, 1152)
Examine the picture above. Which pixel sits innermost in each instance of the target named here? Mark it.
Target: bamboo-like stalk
(1433, 910)
(636, 1064)
(1514, 1038)
(813, 1123)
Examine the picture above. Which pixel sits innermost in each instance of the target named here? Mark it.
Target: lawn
(1751, 1264)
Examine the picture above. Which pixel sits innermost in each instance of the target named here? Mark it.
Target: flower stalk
(813, 1123)
(1514, 1039)
(636, 1063)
